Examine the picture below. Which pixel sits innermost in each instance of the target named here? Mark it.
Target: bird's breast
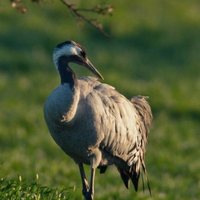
(76, 136)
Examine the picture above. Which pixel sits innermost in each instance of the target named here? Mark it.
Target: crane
(93, 123)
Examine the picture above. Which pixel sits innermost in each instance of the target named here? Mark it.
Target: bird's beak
(91, 67)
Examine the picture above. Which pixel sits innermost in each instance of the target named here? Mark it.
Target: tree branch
(79, 13)
(100, 10)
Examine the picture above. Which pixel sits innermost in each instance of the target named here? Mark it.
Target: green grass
(20, 189)
(153, 51)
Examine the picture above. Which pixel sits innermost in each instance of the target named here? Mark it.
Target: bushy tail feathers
(126, 176)
(146, 176)
(144, 110)
(134, 177)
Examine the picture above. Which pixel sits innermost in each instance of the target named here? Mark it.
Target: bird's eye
(83, 54)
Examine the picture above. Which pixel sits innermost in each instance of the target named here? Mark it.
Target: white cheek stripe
(67, 50)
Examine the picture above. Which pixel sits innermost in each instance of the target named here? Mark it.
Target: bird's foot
(88, 195)
(86, 191)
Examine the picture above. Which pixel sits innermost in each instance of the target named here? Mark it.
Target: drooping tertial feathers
(93, 123)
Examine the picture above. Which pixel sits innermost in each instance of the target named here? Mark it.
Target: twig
(101, 10)
(92, 22)
(77, 12)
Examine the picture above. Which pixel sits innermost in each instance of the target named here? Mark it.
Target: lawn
(153, 50)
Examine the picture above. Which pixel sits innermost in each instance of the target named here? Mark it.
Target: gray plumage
(96, 125)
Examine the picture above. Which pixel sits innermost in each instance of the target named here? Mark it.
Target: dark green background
(154, 50)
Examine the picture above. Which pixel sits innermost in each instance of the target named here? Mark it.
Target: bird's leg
(95, 158)
(91, 190)
(85, 186)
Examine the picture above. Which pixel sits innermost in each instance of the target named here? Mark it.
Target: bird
(94, 124)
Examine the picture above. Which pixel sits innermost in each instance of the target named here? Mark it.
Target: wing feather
(123, 127)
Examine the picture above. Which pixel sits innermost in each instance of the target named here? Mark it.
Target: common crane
(93, 123)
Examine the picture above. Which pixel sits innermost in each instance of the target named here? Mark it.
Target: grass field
(154, 50)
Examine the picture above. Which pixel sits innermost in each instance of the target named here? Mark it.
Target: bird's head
(70, 51)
